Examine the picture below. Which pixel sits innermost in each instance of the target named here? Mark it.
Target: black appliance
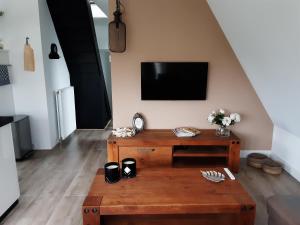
(22, 136)
(20, 126)
(174, 80)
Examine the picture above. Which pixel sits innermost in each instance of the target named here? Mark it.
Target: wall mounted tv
(174, 80)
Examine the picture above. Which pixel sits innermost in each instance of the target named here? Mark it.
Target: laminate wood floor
(54, 183)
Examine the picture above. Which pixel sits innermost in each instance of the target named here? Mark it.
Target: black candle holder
(112, 172)
(128, 168)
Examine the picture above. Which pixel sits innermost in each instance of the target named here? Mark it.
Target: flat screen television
(174, 80)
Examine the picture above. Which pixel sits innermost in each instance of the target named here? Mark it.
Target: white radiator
(65, 109)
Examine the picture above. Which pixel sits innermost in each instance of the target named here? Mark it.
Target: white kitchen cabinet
(9, 185)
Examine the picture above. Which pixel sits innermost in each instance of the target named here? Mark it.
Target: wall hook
(27, 40)
(53, 54)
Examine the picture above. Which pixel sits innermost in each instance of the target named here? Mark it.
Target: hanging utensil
(117, 31)
(29, 63)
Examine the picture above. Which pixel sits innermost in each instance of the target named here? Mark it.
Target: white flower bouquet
(223, 120)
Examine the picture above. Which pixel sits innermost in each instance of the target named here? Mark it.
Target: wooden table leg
(91, 210)
(234, 156)
(112, 152)
(247, 216)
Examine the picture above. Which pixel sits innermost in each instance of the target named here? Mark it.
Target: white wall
(7, 106)
(56, 71)
(103, 4)
(21, 20)
(101, 28)
(286, 148)
(2, 7)
(6, 101)
(106, 66)
(33, 91)
(6, 94)
(101, 25)
(265, 37)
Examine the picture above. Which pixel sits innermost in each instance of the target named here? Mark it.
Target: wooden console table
(157, 148)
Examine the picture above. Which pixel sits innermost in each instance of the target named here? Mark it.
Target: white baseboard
(245, 153)
(290, 169)
(285, 149)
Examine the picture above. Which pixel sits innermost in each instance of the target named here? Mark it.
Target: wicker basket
(272, 167)
(256, 160)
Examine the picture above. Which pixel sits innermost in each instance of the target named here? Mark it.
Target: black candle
(112, 172)
(128, 168)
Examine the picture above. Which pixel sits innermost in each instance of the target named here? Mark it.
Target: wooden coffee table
(170, 196)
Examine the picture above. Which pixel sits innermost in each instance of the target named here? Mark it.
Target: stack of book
(186, 131)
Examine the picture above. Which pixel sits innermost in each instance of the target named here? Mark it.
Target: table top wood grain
(169, 191)
(167, 137)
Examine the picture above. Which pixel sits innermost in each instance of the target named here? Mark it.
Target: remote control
(229, 174)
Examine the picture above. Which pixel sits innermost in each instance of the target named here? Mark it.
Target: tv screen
(174, 80)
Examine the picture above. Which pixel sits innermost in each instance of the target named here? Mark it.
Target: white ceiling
(103, 4)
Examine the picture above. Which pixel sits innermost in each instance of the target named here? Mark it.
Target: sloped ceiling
(265, 35)
(103, 4)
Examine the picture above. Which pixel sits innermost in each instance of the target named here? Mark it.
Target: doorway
(101, 28)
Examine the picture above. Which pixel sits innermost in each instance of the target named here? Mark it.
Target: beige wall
(184, 30)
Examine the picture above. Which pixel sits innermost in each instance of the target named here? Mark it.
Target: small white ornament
(210, 118)
(226, 121)
(127, 170)
(213, 176)
(124, 132)
(222, 111)
(139, 123)
(235, 117)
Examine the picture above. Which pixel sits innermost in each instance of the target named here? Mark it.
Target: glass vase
(222, 131)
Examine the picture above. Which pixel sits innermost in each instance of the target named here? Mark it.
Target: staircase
(74, 26)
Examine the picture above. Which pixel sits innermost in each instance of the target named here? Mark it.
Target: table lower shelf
(172, 219)
(199, 162)
(182, 154)
(202, 154)
(200, 151)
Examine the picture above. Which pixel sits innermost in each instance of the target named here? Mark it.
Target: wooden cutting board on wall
(29, 63)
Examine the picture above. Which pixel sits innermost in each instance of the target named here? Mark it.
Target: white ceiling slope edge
(265, 36)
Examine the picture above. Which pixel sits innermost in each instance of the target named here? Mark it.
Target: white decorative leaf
(213, 176)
